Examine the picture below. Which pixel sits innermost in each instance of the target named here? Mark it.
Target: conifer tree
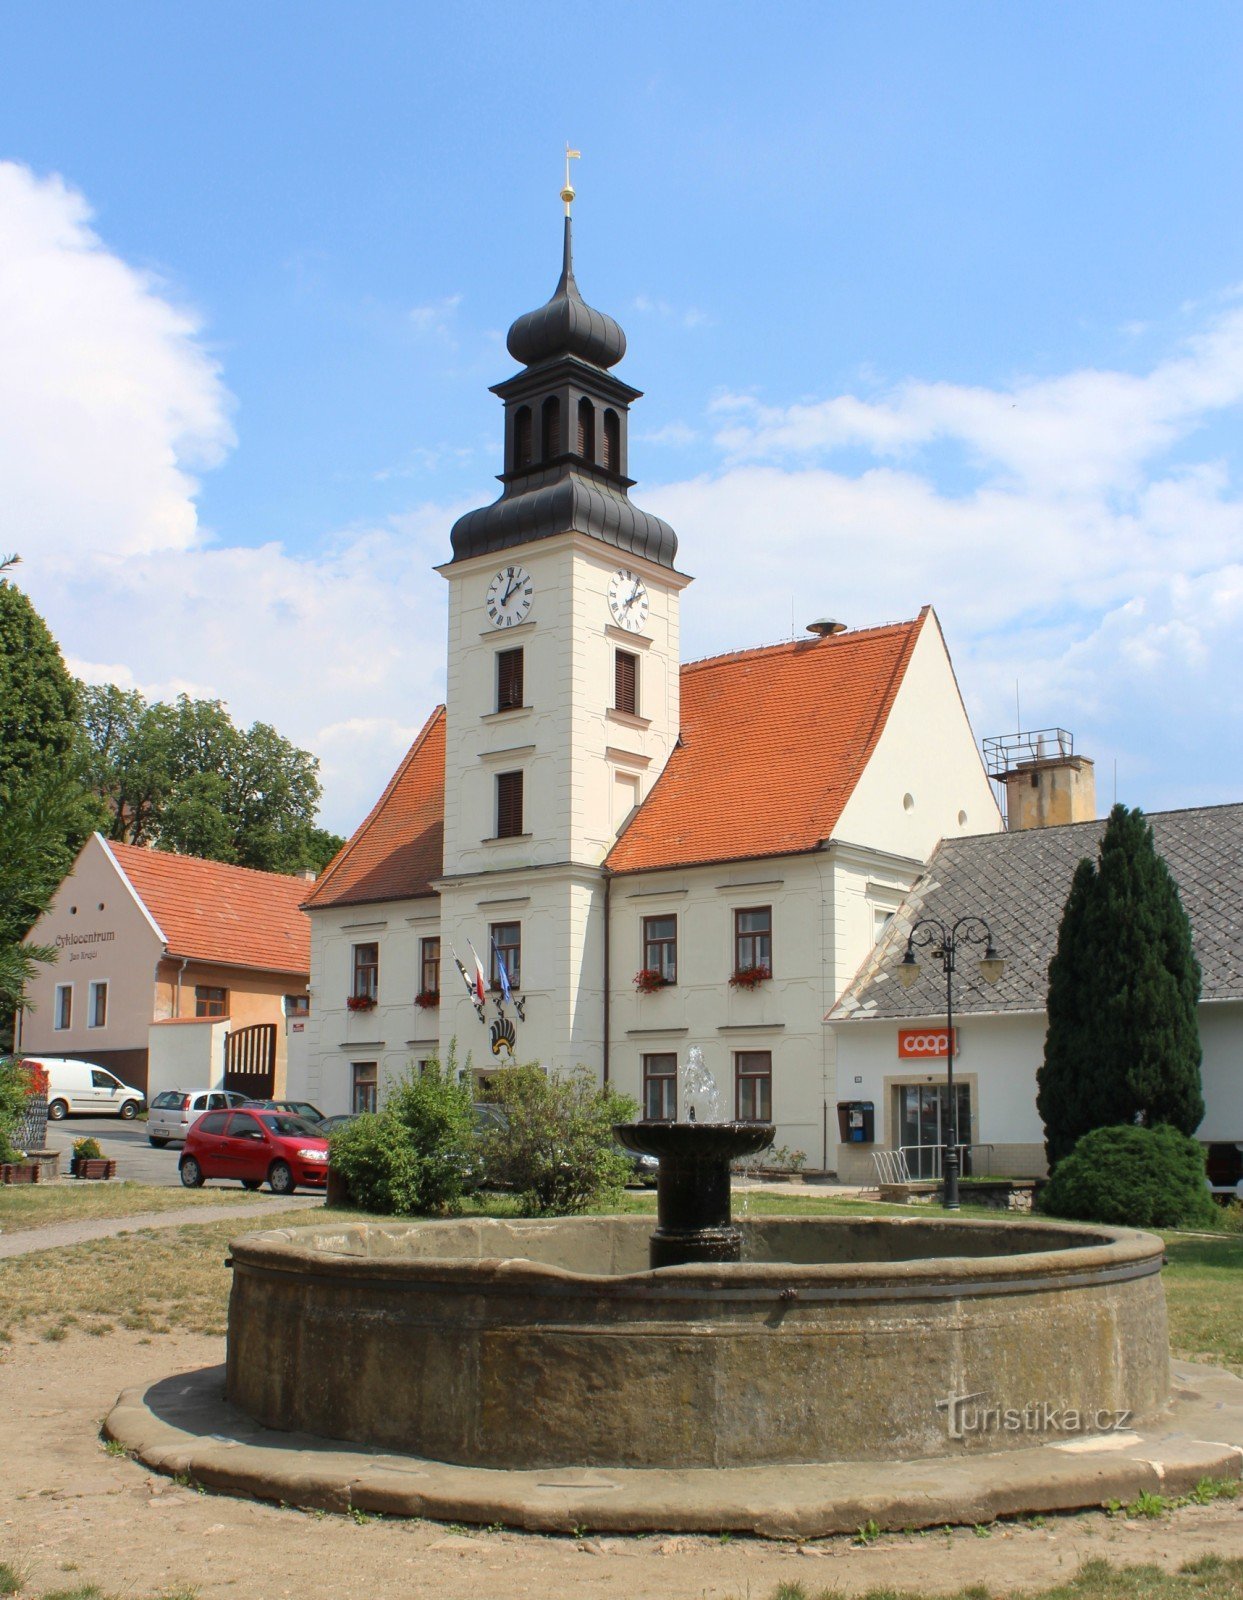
(1123, 1041)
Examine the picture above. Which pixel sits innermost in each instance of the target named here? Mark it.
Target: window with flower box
(429, 965)
(753, 1085)
(660, 1087)
(660, 946)
(365, 980)
(753, 939)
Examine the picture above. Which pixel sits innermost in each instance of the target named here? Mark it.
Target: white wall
(186, 1054)
(1221, 1037)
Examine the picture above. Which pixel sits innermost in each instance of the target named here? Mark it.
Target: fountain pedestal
(693, 1221)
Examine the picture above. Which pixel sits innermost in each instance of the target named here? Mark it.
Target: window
(213, 1122)
(508, 805)
(97, 1005)
(880, 921)
(297, 1005)
(522, 438)
(586, 430)
(753, 938)
(626, 682)
(660, 946)
(660, 1088)
(366, 972)
(209, 1002)
(429, 965)
(506, 943)
(753, 1077)
(550, 428)
(366, 1079)
(508, 679)
(63, 1017)
(612, 442)
(104, 1080)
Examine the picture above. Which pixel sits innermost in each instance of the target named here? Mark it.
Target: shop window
(508, 680)
(366, 972)
(97, 1005)
(209, 1001)
(506, 944)
(365, 1085)
(660, 1088)
(753, 1080)
(626, 682)
(753, 939)
(508, 805)
(62, 1016)
(660, 947)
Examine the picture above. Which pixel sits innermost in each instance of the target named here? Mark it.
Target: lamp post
(942, 942)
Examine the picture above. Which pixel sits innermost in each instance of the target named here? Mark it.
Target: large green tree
(183, 777)
(38, 698)
(1123, 1041)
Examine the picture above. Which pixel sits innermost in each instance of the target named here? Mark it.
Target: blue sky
(929, 303)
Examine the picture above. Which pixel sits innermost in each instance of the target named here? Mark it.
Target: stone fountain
(783, 1375)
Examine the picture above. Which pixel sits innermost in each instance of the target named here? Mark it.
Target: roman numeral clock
(509, 597)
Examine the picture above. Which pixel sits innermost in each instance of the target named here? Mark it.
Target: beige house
(146, 939)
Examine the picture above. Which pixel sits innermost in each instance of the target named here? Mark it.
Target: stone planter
(93, 1167)
(19, 1172)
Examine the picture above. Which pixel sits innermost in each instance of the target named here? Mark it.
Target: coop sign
(920, 1044)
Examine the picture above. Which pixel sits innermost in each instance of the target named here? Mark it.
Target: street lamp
(943, 943)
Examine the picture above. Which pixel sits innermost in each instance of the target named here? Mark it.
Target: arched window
(612, 442)
(522, 438)
(586, 430)
(551, 428)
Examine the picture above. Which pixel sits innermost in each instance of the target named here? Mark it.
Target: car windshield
(287, 1127)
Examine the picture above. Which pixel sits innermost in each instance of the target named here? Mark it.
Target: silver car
(172, 1112)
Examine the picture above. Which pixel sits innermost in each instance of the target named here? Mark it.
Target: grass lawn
(1209, 1578)
(36, 1205)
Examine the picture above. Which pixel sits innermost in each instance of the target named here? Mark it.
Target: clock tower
(562, 695)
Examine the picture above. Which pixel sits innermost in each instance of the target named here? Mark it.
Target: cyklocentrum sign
(918, 1044)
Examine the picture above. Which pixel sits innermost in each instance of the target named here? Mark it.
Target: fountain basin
(521, 1344)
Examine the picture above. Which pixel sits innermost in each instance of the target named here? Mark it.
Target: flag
(481, 985)
(506, 993)
(470, 987)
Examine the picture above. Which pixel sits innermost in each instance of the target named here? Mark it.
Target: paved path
(56, 1235)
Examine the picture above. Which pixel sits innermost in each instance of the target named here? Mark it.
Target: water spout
(700, 1099)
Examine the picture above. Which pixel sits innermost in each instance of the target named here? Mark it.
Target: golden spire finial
(567, 194)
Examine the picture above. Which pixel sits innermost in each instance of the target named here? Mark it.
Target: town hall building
(596, 854)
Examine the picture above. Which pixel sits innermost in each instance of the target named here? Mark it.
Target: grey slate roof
(1018, 882)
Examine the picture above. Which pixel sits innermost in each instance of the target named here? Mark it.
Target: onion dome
(566, 326)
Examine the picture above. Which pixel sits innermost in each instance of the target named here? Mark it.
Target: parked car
(83, 1089)
(329, 1125)
(173, 1111)
(255, 1147)
(295, 1108)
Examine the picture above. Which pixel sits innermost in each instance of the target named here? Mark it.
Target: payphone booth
(856, 1121)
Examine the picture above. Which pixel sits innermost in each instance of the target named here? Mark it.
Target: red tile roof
(231, 916)
(773, 742)
(399, 849)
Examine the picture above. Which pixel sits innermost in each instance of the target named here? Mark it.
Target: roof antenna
(567, 194)
(1018, 716)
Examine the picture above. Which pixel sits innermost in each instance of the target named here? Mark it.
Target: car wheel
(281, 1178)
(129, 1110)
(57, 1111)
(250, 1183)
(158, 1143)
(191, 1173)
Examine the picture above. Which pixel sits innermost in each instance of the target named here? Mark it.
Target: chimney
(307, 874)
(1045, 784)
(822, 627)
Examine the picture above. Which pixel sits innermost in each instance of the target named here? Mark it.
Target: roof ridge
(838, 640)
(154, 853)
(355, 839)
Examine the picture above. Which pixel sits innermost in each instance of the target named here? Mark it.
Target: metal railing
(921, 1163)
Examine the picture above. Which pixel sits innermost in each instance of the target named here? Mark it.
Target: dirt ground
(66, 1507)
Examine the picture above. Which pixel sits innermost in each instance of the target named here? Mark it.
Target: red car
(255, 1147)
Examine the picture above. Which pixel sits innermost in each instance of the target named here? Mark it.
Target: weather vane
(567, 194)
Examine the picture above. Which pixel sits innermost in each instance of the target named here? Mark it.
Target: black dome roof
(568, 504)
(566, 326)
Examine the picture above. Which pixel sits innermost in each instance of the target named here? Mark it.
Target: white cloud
(436, 317)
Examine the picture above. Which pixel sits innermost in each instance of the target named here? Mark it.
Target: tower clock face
(509, 597)
(628, 600)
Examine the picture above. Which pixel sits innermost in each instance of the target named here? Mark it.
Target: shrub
(14, 1088)
(1132, 1177)
(554, 1146)
(414, 1155)
(87, 1149)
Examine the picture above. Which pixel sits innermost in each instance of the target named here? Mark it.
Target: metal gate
(250, 1060)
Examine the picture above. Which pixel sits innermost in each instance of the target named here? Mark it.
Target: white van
(88, 1090)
